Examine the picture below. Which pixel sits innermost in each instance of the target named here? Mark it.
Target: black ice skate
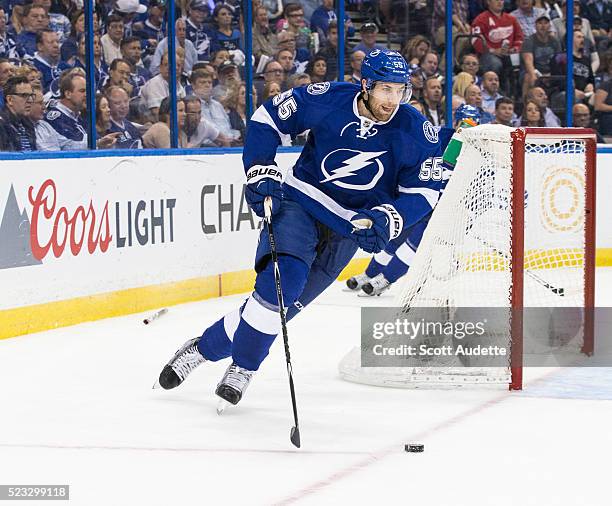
(234, 383)
(185, 360)
(357, 282)
(377, 285)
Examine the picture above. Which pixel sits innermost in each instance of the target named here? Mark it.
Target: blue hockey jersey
(349, 162)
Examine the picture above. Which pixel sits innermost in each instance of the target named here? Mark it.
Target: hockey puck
(414, 448)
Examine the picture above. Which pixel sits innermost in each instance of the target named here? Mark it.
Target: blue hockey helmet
(467, 112)
(382, 65)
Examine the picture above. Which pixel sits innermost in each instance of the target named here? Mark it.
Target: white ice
(77, 408)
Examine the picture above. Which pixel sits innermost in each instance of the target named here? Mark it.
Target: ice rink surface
(77, 408)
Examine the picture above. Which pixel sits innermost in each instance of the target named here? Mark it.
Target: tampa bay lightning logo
(431, 132)
(362, 168)
(318, 88)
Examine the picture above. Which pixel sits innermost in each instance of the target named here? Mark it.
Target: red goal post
(520, 137)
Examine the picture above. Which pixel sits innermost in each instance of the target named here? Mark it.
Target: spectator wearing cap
(191, 55)
(599, 12)
(264, 40)
(537, 52)
(527, 15)
(559, 24)
(8, 46)
(131, 51)
(473, 97)
(356, 61)
(330, 53)
(16, 129)
(59, 23)
(35, 18)
(367, 34)
(228, 77)
(198, 130)
(119, 103)
(504, 112)
(502, 35)
(198, 30)
(158, 136)
(490, 91)
(158, 88)
(323, 15)
(154, 28)
(224, 35)
(111, 40)
(128, 10)
(47, 57)
(212, 110)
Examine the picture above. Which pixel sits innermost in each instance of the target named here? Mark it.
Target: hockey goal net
(515, 229)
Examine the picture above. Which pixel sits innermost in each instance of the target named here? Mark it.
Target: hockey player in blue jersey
(393, 262)
(363, 159)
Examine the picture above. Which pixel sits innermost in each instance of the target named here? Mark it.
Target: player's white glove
(264, 181)
(386, 224)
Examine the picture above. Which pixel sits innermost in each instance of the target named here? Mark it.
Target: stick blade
(295, 436)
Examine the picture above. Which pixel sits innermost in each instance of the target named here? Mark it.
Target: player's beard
(376, 110)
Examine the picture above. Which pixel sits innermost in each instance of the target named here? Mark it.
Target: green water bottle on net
(466, 116)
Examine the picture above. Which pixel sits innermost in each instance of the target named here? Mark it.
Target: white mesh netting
(465, 255)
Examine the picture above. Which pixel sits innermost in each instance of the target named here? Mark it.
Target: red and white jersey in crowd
(496, 29)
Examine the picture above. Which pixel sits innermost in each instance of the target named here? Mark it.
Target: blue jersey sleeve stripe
(430, 195)
(263, 116)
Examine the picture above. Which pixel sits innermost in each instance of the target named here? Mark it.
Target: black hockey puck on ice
(414, 447)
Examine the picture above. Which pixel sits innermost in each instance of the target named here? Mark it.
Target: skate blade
(156, 385)
(221, 405)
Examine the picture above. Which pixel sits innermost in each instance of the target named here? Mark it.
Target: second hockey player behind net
(365, 158)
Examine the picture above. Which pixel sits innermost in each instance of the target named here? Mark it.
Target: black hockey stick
(560, 291)
(295, 431)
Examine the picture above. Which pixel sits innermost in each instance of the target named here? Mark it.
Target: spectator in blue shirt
(224, 36)
(119, 103)
(34, 19)
(198, 30)
(319, 22)
(47, 57)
